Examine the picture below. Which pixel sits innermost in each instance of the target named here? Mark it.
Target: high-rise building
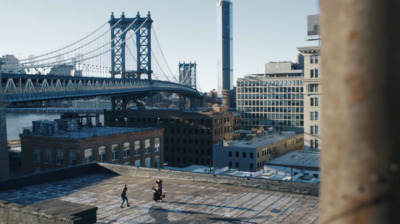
(312, 97)
(225, 58)
(273, 99)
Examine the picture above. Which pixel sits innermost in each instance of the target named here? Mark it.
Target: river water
(16, 122)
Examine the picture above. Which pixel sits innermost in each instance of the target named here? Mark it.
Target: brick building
(50, 146)
(189, 135)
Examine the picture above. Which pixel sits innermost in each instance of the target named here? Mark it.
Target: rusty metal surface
(361, 114)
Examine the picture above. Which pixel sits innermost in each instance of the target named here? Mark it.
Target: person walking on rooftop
(124, 198)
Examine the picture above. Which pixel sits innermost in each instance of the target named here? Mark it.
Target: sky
(263, 30)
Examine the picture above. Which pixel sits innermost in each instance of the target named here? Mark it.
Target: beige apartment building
(312, 98)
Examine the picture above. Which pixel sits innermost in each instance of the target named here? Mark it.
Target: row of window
(88, 153)
(277, 126)
(189, 141)
(250, 96)
(271, 102)
(274, 116)
(244, 154)
(248, 110)
(270, 83)
(278, 123)
(270, 90)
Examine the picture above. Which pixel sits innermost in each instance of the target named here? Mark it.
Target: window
(312, 102)
(312, 130)
(137, 148)
(102, 154)
(311, 59)
(157, 161)
(313, 88)
(312, 116)
(251, 155)
(230, 153)
(147, 146)
(88, 155)
(251, 166)
(230, 164)
(316, 73)
(244, 155)
(237, 164)
(72, 158)
(36, 154)
(316, 143)
(316, 129)
(137, 162)
(115, 152)
(316, 101)
(60, 157)
(316, 115)
(157, 144)
(237, 154)
(312, 73)
(312, 143)
(316, 58)
(127, 150)
(47, 156)
(147, 162)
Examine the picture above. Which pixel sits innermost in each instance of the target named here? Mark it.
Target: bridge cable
(67, 45)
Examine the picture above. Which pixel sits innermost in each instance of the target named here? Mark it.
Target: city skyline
(263, 30)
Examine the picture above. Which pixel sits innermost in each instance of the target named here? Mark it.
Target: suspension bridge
(114, 60)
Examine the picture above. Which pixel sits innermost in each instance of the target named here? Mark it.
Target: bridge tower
(187, 74)
(142, 26)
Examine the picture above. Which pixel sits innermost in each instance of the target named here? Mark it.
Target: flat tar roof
(261, 140)
(297, 158)
(186, 201)
(89, 132)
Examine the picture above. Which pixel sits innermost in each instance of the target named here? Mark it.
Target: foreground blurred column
(361, 111)
(4, 168)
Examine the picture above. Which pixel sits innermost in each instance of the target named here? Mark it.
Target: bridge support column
(4, 164)
(182, 102)
(193, 102)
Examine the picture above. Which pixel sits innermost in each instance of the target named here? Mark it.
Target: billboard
(312, 25)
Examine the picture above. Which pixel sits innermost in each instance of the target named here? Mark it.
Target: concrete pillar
(360, 160)
(4, 167)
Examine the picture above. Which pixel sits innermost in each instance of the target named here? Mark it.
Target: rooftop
(259, 141)
(89, 132)
(187, 201)
(297, 158)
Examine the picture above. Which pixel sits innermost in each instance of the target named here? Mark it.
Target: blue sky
(263, 30)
